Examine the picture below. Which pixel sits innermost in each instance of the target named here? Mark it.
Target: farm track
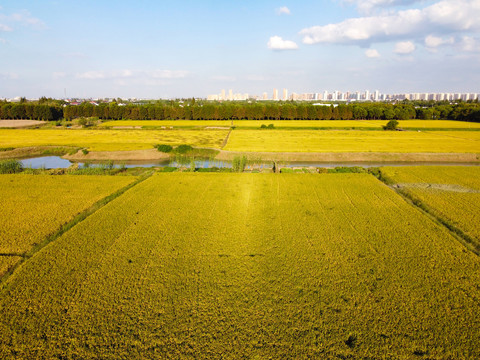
(24, 257)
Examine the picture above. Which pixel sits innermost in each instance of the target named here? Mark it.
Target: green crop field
(167, 123)
(450, 192)
(34, 206)
(255, 266)
(353, 141)
(377, 124)
(111, 140)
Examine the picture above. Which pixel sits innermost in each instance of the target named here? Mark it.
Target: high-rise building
(230, 94)
(285, 94)
(265, 96)
(275, 94)
(222, 95)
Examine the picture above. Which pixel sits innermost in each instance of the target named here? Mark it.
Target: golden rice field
(255, 266)
(427, 124)
(450, 192)
(111, 140)
(353, 141)
(34, 206)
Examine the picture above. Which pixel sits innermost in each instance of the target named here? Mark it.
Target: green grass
(189, 265)
(353, 141)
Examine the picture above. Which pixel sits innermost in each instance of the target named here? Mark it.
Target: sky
(185, 48)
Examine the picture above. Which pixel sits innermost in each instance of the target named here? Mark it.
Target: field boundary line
(76, 220)
(225, 141)
(470, 243)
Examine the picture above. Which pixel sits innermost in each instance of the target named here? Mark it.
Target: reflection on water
(56, 162)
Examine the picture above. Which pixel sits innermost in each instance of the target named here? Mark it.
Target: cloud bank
(447, 16)
(283, 11)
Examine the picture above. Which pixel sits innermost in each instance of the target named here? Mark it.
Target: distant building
(275, 94)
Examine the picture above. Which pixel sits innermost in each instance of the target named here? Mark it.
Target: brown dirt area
(20, 123)
(354, 157)
(150, 154)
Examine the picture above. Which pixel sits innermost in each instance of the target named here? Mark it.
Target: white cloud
(8, 76)
(277, 43)
(372, 53)
(283, 11)
(126, 74)
(432, 41)
(447, 16)
(369, 6)
(469, 44)
(225, 78)
(59, 75)
(5, 28)
(167, 74)
(23, 17)
(404, 47)
(3, 41)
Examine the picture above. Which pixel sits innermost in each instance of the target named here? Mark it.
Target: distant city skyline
(191, 48)
(365, 95)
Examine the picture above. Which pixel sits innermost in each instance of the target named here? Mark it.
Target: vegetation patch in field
(10, 166)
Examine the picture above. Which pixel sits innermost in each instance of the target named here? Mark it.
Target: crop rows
(34, 206)
(354, 141)
(111, 140)
(450, 192)
(247, 266)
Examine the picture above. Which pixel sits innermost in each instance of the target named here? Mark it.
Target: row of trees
(228, 111)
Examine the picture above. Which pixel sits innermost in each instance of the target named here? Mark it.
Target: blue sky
(163, 49)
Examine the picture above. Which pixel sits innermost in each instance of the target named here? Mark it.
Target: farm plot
(34, 206)
(352, 141)
(451, 193)
(111, 140)
(247, 266)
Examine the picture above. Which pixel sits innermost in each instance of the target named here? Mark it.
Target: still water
(56, 162)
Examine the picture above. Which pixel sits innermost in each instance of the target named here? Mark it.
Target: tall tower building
(275, 94)
(222, 95)
(285, 94)
(265, 96)
(230, 94)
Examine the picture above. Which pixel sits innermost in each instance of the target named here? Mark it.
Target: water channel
(56, 162)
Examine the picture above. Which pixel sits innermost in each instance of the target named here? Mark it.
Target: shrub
(10, 166)
(391, 125)
(263, 126)
(270, 126)
(183, 149)
(84, 151)
(164, 148)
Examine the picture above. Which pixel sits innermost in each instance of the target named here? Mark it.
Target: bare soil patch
(34, 151)
(20, 123)
(353, 156)
(149, 154)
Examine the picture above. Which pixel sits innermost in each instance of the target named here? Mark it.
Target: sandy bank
(353, 156)
(20, 123)
(150, 154)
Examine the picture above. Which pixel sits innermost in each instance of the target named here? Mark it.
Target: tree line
(237, 111)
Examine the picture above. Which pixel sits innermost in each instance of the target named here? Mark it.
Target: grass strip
(466, 240)
(67, 226)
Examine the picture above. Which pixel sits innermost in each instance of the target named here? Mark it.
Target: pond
(56, 162)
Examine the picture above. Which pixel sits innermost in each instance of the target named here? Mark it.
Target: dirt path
(20, 123)
(150, 154)
(355, 156)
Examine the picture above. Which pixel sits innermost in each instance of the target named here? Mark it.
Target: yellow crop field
(351, 141)
(7, 262)
(111, 140)
(338, 124)
(34, 206)
(428, 124)
(449, 192)
(266, 266)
